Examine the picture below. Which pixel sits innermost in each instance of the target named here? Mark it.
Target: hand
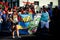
(49, 20)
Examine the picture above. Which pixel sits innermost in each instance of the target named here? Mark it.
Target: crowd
(11, 15)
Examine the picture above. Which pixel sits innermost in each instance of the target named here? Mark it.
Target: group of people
(12, 15)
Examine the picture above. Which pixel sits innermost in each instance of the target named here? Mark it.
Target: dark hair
(9, 9)
(0, 7)
(56, 7)
(44, 10)
(44, 7)
(14, 11)
(37, 12)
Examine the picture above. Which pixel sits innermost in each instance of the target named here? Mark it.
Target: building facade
(41, 2)
(12, 3)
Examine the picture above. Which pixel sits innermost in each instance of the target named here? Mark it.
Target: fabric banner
(34, 24)
(29, 22)
(26, 18)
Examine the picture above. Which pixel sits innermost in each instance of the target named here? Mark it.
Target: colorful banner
(27, 22)
(26, 18)
(34, 24)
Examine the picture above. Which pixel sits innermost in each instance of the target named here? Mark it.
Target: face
(15, 13)
(4, 12)
(11, 9)
(44, 10)
(6, 8)
(29, 9)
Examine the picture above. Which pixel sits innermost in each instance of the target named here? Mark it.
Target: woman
(9, 15)
(1, 20)
(45, 19)
(14, 21)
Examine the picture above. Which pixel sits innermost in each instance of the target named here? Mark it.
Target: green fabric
(2, 6)
(38, 19)
(32, 24)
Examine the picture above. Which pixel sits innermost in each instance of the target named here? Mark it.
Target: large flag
(27, 22)
(26, 18)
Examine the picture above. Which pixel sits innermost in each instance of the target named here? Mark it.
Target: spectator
(56, 20)
(45, 19)
(1, 18)
(4, 16)
(50, 12)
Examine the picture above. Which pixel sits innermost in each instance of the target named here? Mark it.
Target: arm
(48, 18)
(11, 19)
